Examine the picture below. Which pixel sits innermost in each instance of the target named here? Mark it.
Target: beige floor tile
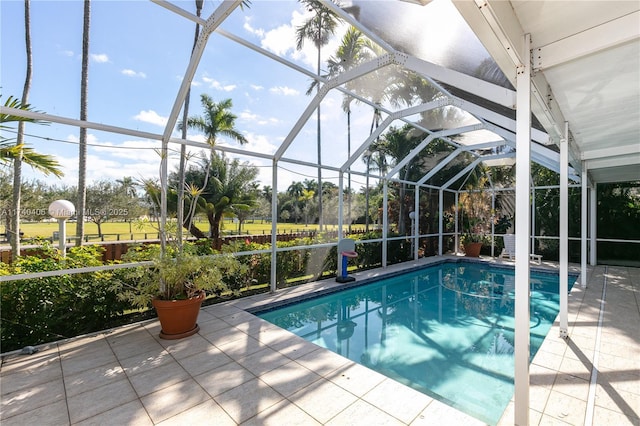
(241, 348)
(546, 420)
(131, 413)
(88, 360)
(224, 335)
(289, 378)
(294, 347)
(159, 378)
(145, 361)
(30, 398)
(173, 400)
(90, 379)
(99, 400)
(572, 386)
(248, 399)
(28, 363)
(566, 408)
(548, 360)
(361, 413)
(263, 361)
(128, 346)
(32, 374)
(209, 412)
(51, 414)
(627, 403)
(539, 397)
(282, 413)
(602, 416)
(323, 361)
(323, 400)
(224, 378)
(355, 378)
(398, 400)
(541, 376)
(578, 368)
(445, 415)
(204, 361)
(186, 347)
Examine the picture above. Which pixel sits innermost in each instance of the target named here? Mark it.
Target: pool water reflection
(446, 331)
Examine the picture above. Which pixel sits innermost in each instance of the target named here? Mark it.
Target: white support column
(493, 223)
(416, 223)
(385, 221)
(523, 227)
(274, 224)
(583, 226)
(440, 221)
(564, 233)
(532, 240)
(457, 240)
(340, 219)
(593, 224)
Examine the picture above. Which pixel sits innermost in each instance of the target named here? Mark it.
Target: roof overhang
(586, 71)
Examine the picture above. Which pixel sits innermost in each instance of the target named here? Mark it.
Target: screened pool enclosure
(468, 96)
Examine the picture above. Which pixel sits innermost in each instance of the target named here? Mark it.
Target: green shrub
(39, 310)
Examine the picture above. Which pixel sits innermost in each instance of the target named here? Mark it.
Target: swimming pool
(446, 330)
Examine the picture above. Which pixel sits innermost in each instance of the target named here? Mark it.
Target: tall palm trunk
(14, 233)
(183, 149)
(82, 154)
(320, 221)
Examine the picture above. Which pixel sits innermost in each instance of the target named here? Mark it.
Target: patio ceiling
(586, 59)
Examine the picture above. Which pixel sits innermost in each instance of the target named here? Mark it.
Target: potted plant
(472, 243)
(176, 284)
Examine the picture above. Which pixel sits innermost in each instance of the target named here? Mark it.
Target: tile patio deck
(240, 369)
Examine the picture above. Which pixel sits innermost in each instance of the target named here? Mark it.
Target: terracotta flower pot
(472, 249)
(178, 318)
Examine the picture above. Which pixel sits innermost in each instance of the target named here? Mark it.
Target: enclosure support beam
(274, 223)
(340, 219)
(564, 233)
(441, 221)
(584, 220)
(523, 227)
(493, 222)
(457, 240)
(416, 222)
(385, 221)
(594, 224)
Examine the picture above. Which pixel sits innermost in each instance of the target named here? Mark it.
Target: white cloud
(284, 90)
(99, 57)
(214, 84)
(68, 53)
(282, 41)
(151, 117)
(132, 73)
(249, 28)
(256, 87)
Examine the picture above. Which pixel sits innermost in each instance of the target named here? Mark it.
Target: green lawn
(123, 231)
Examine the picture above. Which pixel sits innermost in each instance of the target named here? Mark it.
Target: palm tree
(295, 191)
(14, 232)
(82, 148)
(225, 189)
(217, 121)
(306, 197)
(9, 151)
(183, 147)
(354, 50)
(318, 29)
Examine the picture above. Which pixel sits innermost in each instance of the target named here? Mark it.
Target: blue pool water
(446, 330)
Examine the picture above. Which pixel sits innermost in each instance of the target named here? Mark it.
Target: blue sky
(139, 53)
